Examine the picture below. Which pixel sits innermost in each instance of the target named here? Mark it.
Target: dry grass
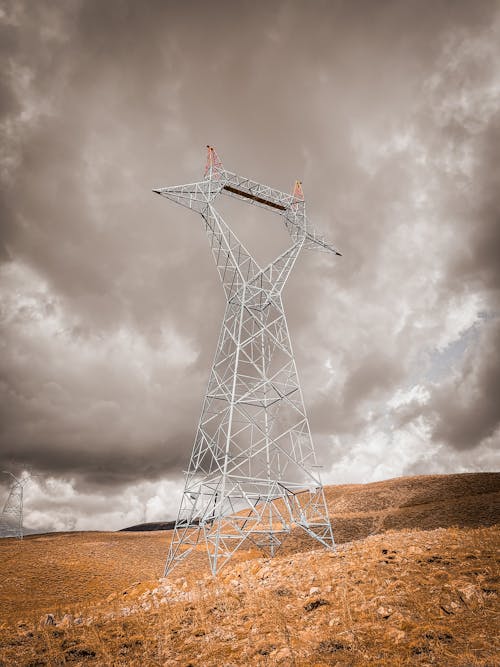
(406, 597)
(425, 502)
(62, 570)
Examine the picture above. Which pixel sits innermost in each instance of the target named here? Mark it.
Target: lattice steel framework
(11, 519)
(252, 473)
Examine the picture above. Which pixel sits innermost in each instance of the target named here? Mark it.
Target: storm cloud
(110, 305)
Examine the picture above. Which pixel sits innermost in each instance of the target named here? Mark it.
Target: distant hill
(10, 529)
(147, 527)
(422, 502)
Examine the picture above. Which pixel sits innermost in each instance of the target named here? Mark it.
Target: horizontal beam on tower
(255, 189)
(248, 195)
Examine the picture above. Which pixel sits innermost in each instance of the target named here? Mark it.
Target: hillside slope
(425, 502)
(405, 596)
(402, 598)
(41, 571)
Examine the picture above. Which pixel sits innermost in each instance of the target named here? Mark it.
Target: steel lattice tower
(11, 519)
(252, 473)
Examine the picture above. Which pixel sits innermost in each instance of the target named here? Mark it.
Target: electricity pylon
(11, 519)
(252, 473)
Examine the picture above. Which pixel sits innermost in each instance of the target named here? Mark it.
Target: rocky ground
(400, 597)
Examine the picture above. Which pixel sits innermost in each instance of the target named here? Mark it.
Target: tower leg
(252, 472)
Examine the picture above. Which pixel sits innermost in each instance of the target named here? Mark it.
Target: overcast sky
(110, 305)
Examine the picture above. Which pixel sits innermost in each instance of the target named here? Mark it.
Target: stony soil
(399, 597)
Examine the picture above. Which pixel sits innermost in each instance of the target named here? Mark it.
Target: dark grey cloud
(466, 409)
(463, 408)
(110, 304)
(477, 265)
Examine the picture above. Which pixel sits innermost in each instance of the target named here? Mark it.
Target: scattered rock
(314, 590)
(48, 619)
(282, 653)
(314, 604)
(384, 612)
(265, 649)
(396, 635)
(66, 621)
(469, 592)
(448, 609)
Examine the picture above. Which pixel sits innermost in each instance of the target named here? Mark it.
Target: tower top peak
(213, 166)
(298, 193)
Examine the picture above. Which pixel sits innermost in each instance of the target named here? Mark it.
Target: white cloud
(56, 504)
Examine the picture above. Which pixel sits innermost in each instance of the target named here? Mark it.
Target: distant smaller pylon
(11, 518)
(214, 167)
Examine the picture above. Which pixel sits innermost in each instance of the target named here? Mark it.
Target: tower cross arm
(195, 196)
(315, 241)
(298, 225)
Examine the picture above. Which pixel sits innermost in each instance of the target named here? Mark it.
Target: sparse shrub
(79, 652)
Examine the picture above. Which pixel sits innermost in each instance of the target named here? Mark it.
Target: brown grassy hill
(425, 502)
(401, 597)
